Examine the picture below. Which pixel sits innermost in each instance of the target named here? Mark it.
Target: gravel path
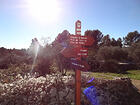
(136, 83)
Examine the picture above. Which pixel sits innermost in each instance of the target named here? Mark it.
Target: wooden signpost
(77, 72)
(75, 53)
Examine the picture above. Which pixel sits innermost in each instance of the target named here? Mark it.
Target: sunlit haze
(43, 10)
(23, 20)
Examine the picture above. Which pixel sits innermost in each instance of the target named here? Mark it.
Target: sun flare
(44, 10)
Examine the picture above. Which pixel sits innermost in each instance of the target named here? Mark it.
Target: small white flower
(11, 84)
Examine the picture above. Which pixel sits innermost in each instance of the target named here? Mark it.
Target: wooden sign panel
(79, 65)
(81, 40)
(82, 52)
(75, 52)
(69, 53)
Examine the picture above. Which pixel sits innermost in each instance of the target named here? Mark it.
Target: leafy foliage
(116, 53)
(109, 58)
(134, 53)
(106, 41)
(97, 36)
(60, 43)
(132, 37)
(19, 87)
(46, 58)
(13, 56)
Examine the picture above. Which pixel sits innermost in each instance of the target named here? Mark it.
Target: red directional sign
(69, 52)
(82, 52)
(80, 65)
(81, 40)
(75, 52)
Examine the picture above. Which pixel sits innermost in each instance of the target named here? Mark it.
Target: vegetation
(41, 73)
(105, 55)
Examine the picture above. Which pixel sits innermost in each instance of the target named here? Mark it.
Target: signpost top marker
(78, 27)
(78, 22)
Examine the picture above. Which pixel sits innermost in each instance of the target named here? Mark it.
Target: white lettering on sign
(83, 37)
(78, 39)
(79, 33)
(81, 40)
(78, 25)
(83, 50)
(78, 29)
(78, 65)
(81, 43)
(72, 37)
(82, 54)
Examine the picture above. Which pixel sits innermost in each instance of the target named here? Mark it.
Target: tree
(45, 41)
(58, 45)
(113, 42)
(61, 41)
(119, 42)
(62, 37)
(132, 37)
(45, 60)
(106, 41)
(104, 53)
(110, 57)
(92, 50)
(34, 47)
(116, 53)
(134, 53)
(97, 35)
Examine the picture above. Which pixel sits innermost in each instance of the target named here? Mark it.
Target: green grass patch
(100, 75)
(133, 74)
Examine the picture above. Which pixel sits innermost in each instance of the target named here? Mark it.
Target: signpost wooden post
(78, 72)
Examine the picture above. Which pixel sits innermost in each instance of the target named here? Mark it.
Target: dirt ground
(136, 83)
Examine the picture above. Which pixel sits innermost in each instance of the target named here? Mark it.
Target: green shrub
(110, 66)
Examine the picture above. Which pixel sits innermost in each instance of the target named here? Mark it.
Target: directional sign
(82, 52)
(75, 52)
(80, 65)
(69, 52)
(81, 40)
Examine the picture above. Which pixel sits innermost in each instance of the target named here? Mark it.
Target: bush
(43, 60)
(110, 66)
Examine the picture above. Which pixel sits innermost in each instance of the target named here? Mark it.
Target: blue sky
(113, 17)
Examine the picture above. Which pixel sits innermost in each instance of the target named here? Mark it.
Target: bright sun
(43, 10)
